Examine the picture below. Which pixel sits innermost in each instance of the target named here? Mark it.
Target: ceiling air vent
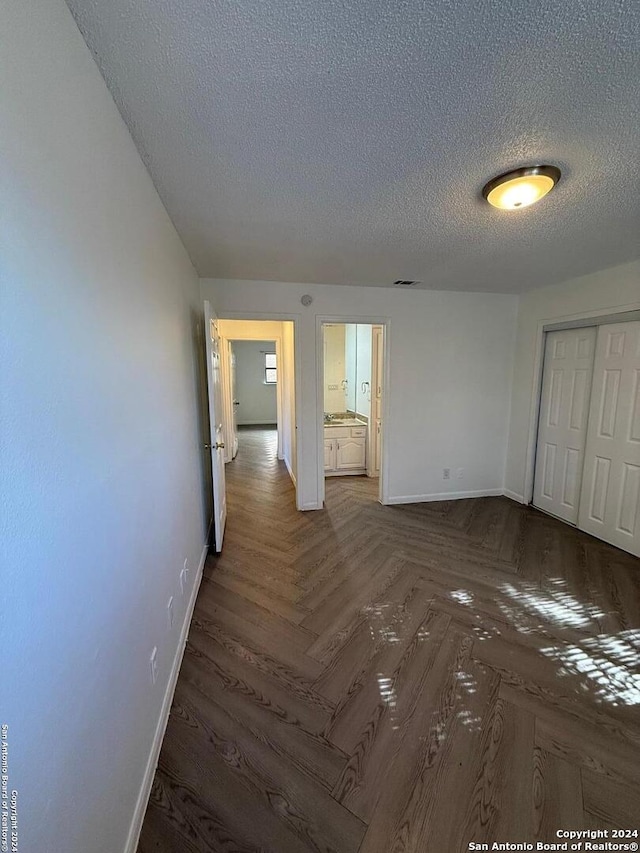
(405, 282)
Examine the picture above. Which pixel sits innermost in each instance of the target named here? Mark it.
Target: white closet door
(610, 500)
(562, 427)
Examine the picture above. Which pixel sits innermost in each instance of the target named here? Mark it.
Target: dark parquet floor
(405, 679)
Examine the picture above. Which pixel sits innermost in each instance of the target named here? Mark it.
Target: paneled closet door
(610, 499)
(562, 426)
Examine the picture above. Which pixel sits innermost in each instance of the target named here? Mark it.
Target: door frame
(279, 318)
(375, 374)
(385, 322)
(556, 324)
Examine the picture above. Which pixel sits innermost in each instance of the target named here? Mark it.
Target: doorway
(351, 380)
(587, 465)
(258, 384)
(253, 385)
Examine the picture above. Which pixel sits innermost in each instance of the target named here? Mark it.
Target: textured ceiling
(347, 142)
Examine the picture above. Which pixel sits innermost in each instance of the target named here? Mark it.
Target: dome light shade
(521, 187)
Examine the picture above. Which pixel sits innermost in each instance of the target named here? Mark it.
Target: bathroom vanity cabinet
(345, 448)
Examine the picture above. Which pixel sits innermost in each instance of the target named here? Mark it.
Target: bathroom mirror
(347, 368)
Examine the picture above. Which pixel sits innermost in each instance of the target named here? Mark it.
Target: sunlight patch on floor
(608, 665)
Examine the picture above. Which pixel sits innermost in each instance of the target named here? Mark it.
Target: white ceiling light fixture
(521, 187)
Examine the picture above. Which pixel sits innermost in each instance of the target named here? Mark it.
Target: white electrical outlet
(153, 662)
(446, 473)
(460, 473)
(170, 612)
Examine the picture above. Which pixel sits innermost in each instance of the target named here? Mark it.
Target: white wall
(451, 365)
(257, 400)
(606, 292)
(102, 434)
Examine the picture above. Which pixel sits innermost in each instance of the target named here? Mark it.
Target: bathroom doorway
(352, 388)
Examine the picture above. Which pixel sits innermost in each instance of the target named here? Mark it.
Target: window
(270, 368)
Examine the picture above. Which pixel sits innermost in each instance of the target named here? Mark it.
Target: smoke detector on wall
(406, 282)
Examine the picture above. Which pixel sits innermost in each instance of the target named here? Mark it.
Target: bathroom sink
(343, 422)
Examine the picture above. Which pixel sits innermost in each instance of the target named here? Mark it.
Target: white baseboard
(289, 469)
(152, 762)
(514, 496)
(442, 496)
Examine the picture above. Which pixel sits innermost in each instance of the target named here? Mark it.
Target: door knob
(217, 446)
(236, 402)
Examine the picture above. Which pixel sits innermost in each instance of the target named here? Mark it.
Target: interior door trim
(602, 320)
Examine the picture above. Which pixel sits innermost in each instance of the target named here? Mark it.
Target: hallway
(406, 678)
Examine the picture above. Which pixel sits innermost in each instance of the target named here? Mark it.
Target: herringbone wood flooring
(399, 679)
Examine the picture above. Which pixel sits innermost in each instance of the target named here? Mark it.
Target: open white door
(215, 420)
